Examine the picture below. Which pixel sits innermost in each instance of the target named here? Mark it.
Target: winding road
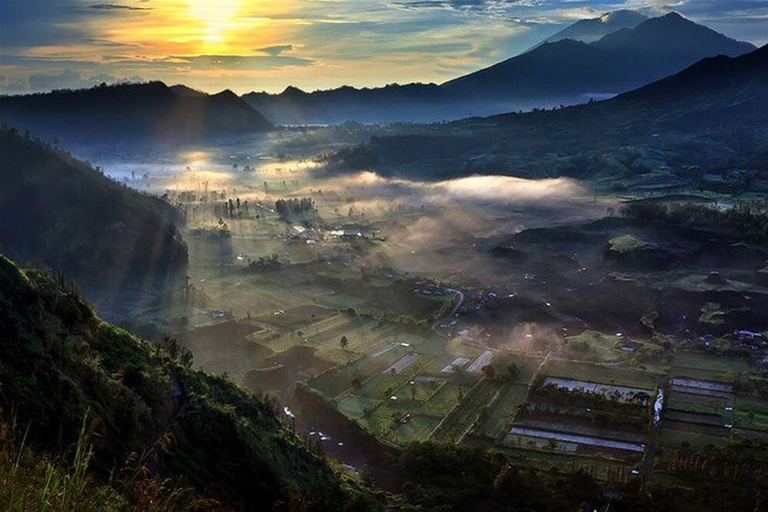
(451, 314)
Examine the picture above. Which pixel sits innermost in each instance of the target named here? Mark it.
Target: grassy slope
(60, 362)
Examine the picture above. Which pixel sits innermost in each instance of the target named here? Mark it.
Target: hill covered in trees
(70, 379)
(61, 213)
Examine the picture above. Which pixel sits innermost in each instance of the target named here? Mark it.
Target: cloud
(112, 7)
(71, 79)
(242, 62)
(274, 51)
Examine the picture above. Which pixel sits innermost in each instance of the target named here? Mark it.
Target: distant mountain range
(593, 58)
(136, 112)
(712, 116)
(620, 61)
(386, 104)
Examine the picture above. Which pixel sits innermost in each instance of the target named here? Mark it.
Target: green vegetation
(68, 215)
(61, 365)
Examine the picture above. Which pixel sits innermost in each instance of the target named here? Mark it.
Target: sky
(255, 45)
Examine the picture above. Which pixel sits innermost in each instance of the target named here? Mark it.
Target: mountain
(590, 30)
(148, 417)
(150, 112)
(675, 35)
(411, 102)
(61, 213)
(575, 71)
(714, 92)
(710, 117)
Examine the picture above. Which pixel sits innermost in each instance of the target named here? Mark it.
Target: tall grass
(30, 481)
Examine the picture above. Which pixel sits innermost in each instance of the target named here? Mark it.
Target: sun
(217, 17)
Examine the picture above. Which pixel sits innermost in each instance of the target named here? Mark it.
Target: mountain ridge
(150, 112)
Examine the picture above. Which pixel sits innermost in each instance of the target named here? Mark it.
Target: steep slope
(590, 30)
(618, 62)
(150, 112)
(60, 363)
(61, 213)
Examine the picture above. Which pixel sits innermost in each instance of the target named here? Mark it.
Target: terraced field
(461, 418)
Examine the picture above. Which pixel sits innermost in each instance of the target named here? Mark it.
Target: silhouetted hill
(590, 30)
(150, 112)
(411, 102)
(145, 411)
(618, 62)
(61, 213)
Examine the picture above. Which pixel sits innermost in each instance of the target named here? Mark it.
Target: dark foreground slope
(59, 364)
(59, 212)
(151, 112)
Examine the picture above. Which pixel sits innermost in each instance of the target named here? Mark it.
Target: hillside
(618, 62)
(62, 366)
(149, 112)
(63, 214)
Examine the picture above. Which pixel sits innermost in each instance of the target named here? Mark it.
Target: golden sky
(257, 45)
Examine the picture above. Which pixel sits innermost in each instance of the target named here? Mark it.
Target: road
(451, 314)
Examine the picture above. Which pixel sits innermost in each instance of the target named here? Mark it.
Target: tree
(489, 371)
(343, 342)
(513, 371)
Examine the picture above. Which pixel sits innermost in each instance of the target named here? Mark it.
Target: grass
(627, 244)
(415, 428)
(34, 481)
(711, 367)
(600, 374)
(461, 418)
(504, 409)
(594, 346)
(674, 438)
(443, 400)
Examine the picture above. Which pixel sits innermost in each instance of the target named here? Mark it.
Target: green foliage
(60, 363)
(749, 222)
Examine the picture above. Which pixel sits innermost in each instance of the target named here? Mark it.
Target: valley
(568, 332)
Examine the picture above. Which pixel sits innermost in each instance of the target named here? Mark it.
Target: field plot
(415, 428)
(697, 408)
(620, 393)
(462, 417)
(708, 367)
(401, 364)
(608, 470)
(601, 374)
(751, 413)
(503, 409)
(443, 400)
(296, 317)
(481, 362)
(581, 427)
(355, 406)
(578, 439)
